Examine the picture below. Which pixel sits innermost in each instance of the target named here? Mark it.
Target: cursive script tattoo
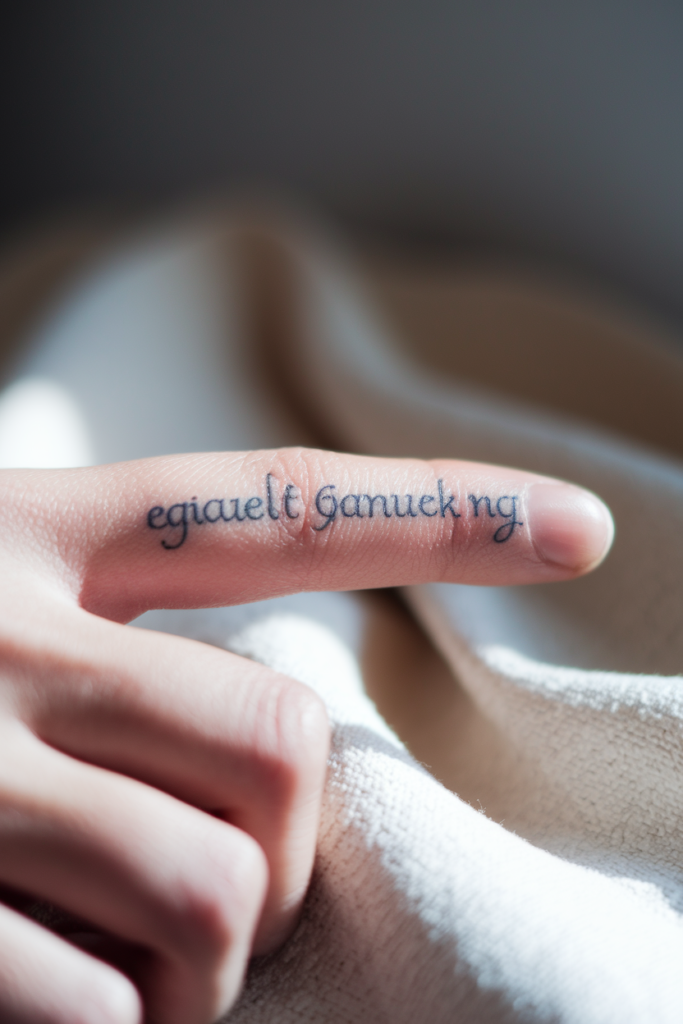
(360, 506)
(182, 514)
(278, 503)
(505, 531)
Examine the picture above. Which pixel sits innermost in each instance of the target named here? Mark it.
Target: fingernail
(569, 526)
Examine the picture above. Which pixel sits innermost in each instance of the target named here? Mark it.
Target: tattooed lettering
(289, 498)
(326, 504)
(178, 517)
(446, 505)
(427, 499)
(355, 506)
(371, 504)
(279, 503)
(504, 532)
(272, 507)
(360, 506)
(476, 502)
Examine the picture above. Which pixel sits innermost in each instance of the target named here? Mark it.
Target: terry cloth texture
(541, 879)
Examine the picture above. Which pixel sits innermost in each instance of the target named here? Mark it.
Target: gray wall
(550, 128)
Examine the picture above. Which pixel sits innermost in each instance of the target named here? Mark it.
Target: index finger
(226, 528)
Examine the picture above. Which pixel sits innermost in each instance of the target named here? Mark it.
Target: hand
(168, 792)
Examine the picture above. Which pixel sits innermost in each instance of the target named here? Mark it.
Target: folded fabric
(563, 900)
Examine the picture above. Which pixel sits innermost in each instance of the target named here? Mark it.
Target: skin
(165, 791)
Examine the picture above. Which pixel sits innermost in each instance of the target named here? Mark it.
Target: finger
(44, 980)
(215, 730)
(217, 529)
(139, 864)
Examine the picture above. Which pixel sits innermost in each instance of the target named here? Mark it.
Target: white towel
(562, 901)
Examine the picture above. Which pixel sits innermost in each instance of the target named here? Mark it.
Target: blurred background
(549, 132)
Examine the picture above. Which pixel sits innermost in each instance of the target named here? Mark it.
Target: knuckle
(220, 909)
(306, 466)
(21, 765)
(299, 740)
(45, 668)
(248, 874)
(206, 929)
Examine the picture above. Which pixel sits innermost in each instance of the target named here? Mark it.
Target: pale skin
(168, 792)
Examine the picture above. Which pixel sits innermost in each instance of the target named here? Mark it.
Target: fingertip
(571, 528)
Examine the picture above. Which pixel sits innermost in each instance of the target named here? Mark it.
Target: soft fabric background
(540, 878)
(551, 131)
